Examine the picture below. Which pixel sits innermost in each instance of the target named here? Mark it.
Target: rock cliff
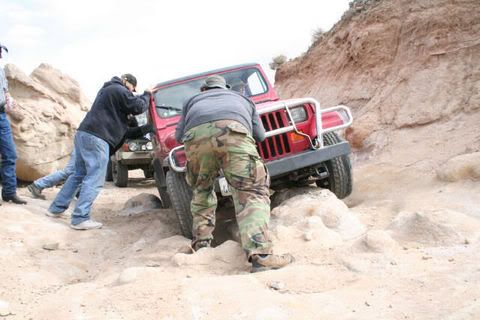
(410, 71)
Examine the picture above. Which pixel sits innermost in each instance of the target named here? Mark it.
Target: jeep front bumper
(307, 159)
(319, 152)
(128, 158)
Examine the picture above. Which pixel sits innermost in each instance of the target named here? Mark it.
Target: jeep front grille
(276, 146)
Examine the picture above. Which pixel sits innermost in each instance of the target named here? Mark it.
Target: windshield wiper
(169, 108)
(263, 101)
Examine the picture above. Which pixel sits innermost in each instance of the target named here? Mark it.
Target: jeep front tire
(119, 174)
(339, 180)
(162, 189)
(180, 197)
(148, 173)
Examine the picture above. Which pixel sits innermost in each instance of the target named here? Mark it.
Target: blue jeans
(58, 176)
(9, 158)
(90, 169)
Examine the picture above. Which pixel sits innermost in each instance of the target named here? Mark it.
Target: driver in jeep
(218, 128)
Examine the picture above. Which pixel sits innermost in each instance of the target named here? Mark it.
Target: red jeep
(301, 146)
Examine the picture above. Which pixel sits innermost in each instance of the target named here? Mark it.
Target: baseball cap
(130, 78)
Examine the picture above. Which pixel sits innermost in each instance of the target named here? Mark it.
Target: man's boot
(199, 244)
(14, 198)
(264, 262)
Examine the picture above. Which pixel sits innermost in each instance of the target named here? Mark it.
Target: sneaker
(63, 215)
(264, 262)
(35, 191)
(199, 244)
(86, 225)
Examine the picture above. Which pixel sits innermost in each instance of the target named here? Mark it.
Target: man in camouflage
(218, 129)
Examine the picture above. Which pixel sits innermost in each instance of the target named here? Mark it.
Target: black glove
(148, 128)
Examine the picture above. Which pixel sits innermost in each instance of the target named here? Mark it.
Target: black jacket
(133, 132)
(107, 119)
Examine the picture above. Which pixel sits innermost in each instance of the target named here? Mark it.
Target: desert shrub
(317, 35)
(277, 61)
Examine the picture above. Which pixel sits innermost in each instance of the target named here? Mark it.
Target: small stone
(152, 264)
(277, 285)
(4, 308)
(367, 304)
(426, 258)
(140, 204)
(5, 313)
(451, 259)
(51, 246)
(308, 236)
(186, 249)
(379, 241)
(127, 276)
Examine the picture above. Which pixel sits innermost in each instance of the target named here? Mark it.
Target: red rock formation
(410, 71)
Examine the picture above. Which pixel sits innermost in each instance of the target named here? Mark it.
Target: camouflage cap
(215, 81)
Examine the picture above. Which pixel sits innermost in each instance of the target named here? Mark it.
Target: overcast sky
(157, 40)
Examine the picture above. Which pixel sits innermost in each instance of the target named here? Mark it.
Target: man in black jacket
(103, 128)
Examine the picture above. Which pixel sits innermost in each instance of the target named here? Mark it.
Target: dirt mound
(313, 216)
(50, 107)
(378, 241)
(226, 258)
(435, 228)
(408, 69)
(461, 167)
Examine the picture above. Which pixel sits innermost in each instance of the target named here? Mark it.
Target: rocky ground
(404, 245)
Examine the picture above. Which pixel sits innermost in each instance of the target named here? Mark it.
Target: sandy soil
(396, 250)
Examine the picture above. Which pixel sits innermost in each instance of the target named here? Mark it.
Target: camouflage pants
(227, 145)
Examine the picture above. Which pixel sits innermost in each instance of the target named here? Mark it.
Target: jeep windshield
(169, 100)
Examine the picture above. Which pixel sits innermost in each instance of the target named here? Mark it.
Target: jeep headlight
(133, 146)
(149, 145)
(299, 114)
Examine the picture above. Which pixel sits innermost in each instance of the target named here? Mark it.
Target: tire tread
(340, 180)
(180, 197)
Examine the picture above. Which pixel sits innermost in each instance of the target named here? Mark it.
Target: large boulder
(50, 108)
